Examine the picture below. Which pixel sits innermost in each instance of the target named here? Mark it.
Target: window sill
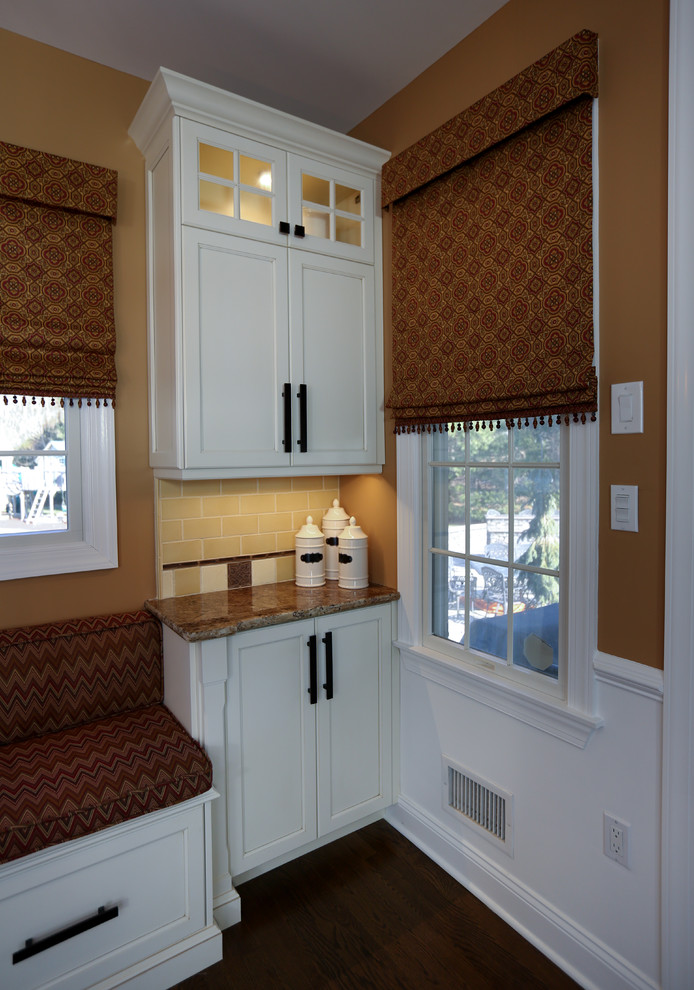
(555, 718)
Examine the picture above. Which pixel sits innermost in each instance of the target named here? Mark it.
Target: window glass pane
(536, 622)
(536, 518)
(33, 484)
(256, 173)
(348, 231)
(217, 161)
(488, 617)
(216, 199)
(315, 190)
(316, 222)
(489, 512)
(489, 445)
(448, 509)
(542, 443)
(255, 208)
(348, 200)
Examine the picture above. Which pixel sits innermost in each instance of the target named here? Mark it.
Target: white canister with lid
(353, 562)
(310, 555)
(334, 521)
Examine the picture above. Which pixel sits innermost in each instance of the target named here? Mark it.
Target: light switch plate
(624, 507)
(627, 407)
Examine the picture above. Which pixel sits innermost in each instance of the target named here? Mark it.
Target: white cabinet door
(232, 184)
(354, 746)
(235, 351)
(335, 207)
(333, 353)
(304, 760)
(272, 754)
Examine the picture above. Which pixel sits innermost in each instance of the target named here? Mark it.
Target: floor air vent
(478, 803)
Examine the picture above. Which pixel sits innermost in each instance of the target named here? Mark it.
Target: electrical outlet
(616, 838)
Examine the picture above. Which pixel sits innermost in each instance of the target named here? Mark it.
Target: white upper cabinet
(265, 289)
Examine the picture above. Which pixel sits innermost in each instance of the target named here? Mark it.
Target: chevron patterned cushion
(79, 780)
(63, 674)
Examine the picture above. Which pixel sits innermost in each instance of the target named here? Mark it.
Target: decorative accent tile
(239, 574)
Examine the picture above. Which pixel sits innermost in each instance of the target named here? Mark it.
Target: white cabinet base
(153, 869)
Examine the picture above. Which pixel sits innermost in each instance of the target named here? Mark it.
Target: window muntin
(495, 550)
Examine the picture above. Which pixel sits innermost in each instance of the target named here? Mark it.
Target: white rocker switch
(627, 407)
(624, 503)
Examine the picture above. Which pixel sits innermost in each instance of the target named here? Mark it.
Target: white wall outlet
(616, 839)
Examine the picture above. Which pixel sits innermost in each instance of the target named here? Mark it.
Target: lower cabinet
(308, 731)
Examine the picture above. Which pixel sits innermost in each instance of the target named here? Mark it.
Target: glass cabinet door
(232, 184)
(335, 209)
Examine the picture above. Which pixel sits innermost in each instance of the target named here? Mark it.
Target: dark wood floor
(371, 911)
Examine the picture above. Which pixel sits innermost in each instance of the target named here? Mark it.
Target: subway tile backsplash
(214, 535)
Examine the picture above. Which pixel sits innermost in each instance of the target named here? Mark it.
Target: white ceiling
(329, 61)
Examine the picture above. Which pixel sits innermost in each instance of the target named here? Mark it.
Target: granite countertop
(222, 613)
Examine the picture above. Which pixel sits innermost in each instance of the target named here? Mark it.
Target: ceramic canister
(310, 555)
(334, 521)
(353, 563)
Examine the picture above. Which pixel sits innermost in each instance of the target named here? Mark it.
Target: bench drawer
(149, 875)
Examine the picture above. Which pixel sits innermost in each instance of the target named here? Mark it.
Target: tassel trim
(42, 399)
(490, 424)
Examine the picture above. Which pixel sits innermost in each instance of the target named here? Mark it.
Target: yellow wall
(69, 106)
(633, 44)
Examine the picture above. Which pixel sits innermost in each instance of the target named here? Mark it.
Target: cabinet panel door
(272, 789)
(335, 206)
(236, 351)
(354, 726)
(232, 184)
(333, 352)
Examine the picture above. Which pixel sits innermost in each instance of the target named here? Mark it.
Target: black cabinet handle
(303, 419)
(313, 670)
(287, 396)
(285, 227)
(299, 230)
(328, 686)
(32, 947)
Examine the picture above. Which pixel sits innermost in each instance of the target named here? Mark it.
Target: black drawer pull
(285, 227)
(32, 947)
(299, 230)
(328, 686)
(313, 670)
(287, 396)
(303, 419)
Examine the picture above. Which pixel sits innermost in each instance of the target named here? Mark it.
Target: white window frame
(539, 682)
(571, 718)
(95, 545)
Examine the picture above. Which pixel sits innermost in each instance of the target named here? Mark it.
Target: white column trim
(678, 722)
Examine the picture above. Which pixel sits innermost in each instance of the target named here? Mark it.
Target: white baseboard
(576, 951)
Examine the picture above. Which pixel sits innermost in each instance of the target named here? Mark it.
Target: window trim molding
(98, 547)
(572, 720)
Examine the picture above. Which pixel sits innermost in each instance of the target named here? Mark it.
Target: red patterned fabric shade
(57, 329)
(492, 254)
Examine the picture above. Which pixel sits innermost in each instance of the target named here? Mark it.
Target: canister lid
(309, 530)
(335, 513)
(352, 532)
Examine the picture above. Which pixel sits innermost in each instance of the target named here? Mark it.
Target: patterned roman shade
(57, 330)
(492, 254)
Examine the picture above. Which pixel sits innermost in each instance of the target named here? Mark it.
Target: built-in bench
(104, 812)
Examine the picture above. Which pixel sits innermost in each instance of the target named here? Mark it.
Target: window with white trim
(495, 550)
(57, 488)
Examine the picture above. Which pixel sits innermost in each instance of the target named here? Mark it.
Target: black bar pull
(285, 227)
(32, 947)
(287, 396)
(302, 442)
(313, 670)
(299, 230)
(328, 686)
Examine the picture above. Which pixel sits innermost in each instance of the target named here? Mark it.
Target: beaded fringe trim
(491, 424)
